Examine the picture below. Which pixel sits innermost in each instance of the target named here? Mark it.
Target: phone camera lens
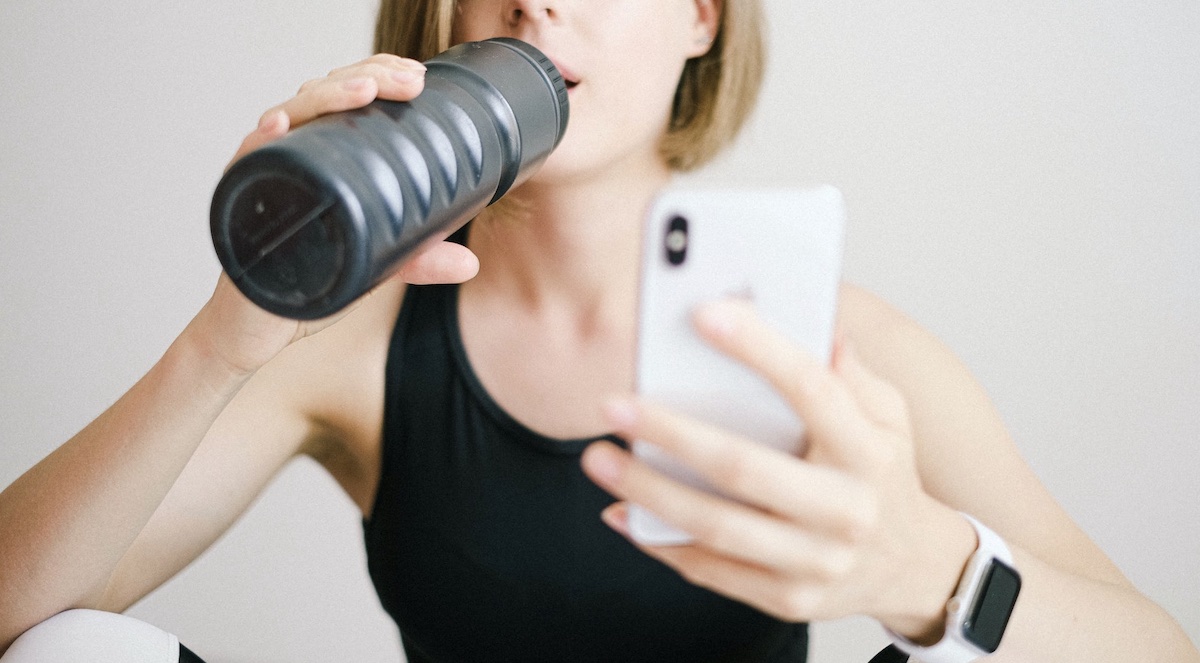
(676, 240)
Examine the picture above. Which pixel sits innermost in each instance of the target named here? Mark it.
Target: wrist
(978, 613)
(233, 337)
(197, 352)
(946, 545)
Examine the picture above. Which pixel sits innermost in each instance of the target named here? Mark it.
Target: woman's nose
(520, 11)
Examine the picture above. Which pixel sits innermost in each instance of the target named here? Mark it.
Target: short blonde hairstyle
(717, 91)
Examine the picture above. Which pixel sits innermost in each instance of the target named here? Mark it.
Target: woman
(497, 397)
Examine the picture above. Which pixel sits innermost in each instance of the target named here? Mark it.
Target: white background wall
(1023, 179)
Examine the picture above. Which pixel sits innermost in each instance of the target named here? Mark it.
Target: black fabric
(485, 541)
(186, 655)
(890, 655)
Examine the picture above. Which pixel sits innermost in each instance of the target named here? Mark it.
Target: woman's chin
(574, 164)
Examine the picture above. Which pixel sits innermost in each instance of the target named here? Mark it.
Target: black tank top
(485, 541)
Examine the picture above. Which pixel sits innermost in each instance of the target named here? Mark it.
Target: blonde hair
(716, 94)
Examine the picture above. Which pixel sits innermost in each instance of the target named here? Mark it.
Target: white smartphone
(781, 248)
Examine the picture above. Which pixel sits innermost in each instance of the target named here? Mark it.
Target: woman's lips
(569, 77)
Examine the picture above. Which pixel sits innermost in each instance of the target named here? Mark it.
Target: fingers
(742, 581)
(381, 76)
(718, 525)
(817, 497)
(397, 78)
(747, 583)
(787, 535)
(821, 399)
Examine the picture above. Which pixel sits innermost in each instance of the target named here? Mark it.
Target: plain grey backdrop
(1023, 178)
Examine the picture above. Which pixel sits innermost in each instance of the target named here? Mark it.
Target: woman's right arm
(70, 521)
(141, 491)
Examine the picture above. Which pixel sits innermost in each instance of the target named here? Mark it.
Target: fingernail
(269, 122)
(617, 518)
(621, 413)
(605, 467)
(408, 75)
(716, 319)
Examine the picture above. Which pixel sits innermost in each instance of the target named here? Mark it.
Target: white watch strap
(953, 647)
(990, 541)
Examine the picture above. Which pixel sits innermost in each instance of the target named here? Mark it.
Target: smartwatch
(978, 613)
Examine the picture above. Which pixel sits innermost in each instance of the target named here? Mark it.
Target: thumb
(442, 262)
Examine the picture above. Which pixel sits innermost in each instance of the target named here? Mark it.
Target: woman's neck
(567, 246)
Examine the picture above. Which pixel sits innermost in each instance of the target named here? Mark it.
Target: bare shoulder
(953, 418)
(891, 342)
(966, 457)
(866, 317)
(901, 350)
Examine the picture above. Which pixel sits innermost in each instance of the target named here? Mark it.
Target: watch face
(997, 596)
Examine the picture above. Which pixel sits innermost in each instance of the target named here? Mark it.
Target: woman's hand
(845, 529)
(236, 331)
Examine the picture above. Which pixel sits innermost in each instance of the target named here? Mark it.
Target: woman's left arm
(899, 439)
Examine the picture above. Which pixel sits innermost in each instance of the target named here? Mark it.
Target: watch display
(984, 625)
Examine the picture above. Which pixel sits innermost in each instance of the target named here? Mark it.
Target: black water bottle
(308, 223)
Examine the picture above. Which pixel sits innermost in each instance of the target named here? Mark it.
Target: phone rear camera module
(676, 241)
